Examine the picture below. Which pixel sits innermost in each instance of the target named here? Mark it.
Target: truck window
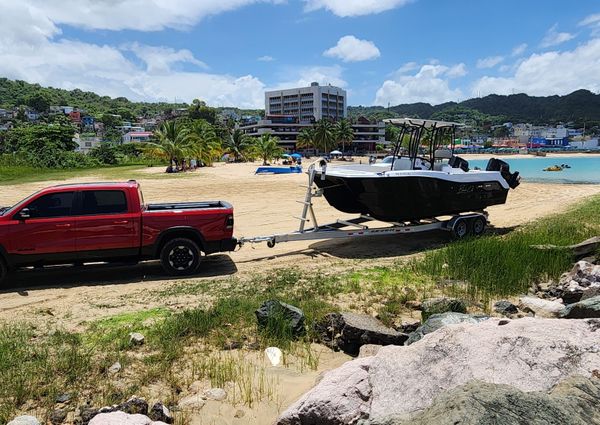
(96, 202)
(51, 205)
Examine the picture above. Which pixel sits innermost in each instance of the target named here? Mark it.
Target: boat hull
(408, 198)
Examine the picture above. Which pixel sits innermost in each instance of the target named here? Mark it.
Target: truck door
(44, 229)
(104, 225)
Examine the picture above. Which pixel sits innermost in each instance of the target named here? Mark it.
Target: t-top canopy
(418, 122)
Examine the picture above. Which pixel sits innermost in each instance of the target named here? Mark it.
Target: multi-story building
(288, 112)
(307, 104)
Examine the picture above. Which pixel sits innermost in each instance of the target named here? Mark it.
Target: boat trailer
(460, 226)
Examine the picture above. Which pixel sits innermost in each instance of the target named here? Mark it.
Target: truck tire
(180, 257)
(3, 271)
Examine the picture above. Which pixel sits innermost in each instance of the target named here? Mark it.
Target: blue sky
(227, 52)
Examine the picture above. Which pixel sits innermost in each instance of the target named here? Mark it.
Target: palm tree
(237, 144)
(202, 142)
(306, 138)
(324, 137)
(169, 143)
(267, 147)
(343, 133)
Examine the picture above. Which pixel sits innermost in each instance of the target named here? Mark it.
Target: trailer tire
(478, 225)
(460, 228)
(180, 257)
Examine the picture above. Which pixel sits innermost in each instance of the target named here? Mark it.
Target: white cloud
(554, 38)
(346, 8)
(593, 22)
(30, 52)
(159, 60)
(407, 67)
(303, 76)
(430, 84)
(549, 73)
(140, 15)
(352, 49)
(489, 62)
(519, 50)
(266, 58)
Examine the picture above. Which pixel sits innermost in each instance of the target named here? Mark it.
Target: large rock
(134, 405)
(24, 420)
(573, 285)
(529, 354)
(274, 311)
(505, 307)
(440, 305)
(540, 307)
(122, 418)
(586, 309)
(438, 321)
(349, 331)
(574, 401)
(341, 397)
(160, 412)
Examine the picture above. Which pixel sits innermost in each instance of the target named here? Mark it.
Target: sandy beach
(265, 204)
(520, 156)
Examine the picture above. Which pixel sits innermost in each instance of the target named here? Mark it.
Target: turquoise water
(583, 169)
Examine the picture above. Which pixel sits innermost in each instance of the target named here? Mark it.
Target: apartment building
(307, 104)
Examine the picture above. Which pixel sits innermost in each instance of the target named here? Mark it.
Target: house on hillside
(137, 136)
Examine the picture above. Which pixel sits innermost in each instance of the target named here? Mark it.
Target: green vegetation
(266, 147)
(579, 107)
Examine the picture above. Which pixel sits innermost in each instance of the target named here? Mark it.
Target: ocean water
(583, 169)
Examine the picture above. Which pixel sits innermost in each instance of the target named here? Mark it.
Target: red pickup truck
(109, 222)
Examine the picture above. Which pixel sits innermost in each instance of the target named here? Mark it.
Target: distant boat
(553, 168)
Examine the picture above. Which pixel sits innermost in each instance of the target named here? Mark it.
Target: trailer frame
(459, 225)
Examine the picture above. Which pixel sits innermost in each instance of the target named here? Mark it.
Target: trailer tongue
(459, 226)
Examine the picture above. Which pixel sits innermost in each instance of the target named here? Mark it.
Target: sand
(264, 205)
(71, 298)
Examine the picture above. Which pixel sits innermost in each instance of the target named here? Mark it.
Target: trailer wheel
(460, 229)
(271, 244)
(180, 257)
(478, 225)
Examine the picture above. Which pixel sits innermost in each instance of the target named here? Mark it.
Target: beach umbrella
(296, 155)
(335, 153)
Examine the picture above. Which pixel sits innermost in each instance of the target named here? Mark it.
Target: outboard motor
(458, 162)
(512, 179)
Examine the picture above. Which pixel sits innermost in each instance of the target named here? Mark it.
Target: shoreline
(485, 156)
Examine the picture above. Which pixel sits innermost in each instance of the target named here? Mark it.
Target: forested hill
(578, 107)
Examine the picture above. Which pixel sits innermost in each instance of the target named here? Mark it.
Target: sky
(228, 52)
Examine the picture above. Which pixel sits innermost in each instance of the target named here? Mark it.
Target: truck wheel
(3, 271)
(180, 257)
(460, 228)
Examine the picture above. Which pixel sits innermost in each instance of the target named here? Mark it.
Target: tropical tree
(267, 147)
(169, 143)
(202, 142)
(324, 135)
(343, 133)
(237, 144)
(306, 138)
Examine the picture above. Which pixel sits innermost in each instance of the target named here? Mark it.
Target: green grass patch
(494, 266)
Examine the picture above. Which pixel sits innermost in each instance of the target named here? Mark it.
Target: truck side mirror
(23, 214)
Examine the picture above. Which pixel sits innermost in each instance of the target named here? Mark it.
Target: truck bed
(188, 206)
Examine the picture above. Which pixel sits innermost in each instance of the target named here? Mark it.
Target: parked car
(109, 222)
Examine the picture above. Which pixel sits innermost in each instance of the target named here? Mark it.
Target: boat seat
(458, 162)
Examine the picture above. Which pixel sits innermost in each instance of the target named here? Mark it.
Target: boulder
(438, 321)
(192, 402)
(273, 311)
(540, 307)
(574, 401)
(368, 350)
(122, 418)
(217, 394)
(160, 412)
(349, 331)
(440, 305)
(57, 416)
(408, 326)
(136, 338)
(586, 309)
(24, 420)
(134, 405)
(341, 397)
(506, 308)
(590, 292)
(529, 354)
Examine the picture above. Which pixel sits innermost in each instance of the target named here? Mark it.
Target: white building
(307, 104)
(137, 136)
